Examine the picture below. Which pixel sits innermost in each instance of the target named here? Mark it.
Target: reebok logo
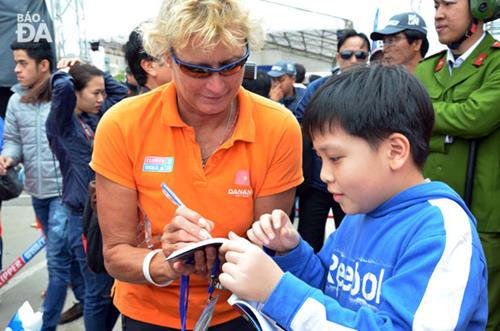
(360, 280)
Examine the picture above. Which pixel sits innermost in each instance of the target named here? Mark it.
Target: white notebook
(251, 311)
(186, 253)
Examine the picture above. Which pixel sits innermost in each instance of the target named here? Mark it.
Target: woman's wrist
(151, 269)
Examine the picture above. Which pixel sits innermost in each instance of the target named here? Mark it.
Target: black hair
(301, 73)
(261, 85)
(82, 73)
(313, 77)
(413, 35)
(373, 102)
(343, 35)
(134, 54)
(37, 51)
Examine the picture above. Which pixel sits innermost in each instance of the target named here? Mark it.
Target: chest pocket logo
(158, 164)
(242, 179)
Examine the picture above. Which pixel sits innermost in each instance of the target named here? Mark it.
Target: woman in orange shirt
(228, 154)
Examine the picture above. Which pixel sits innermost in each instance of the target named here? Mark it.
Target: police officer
(464, 84)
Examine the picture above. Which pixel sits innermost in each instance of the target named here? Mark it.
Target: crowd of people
(402, 148)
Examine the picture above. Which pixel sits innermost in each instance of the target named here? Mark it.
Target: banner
(21, 261)
(23, 21)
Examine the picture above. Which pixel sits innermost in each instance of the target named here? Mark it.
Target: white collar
(455, 63)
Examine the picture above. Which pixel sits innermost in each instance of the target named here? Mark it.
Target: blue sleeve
(62, 108)
(115, 92)
(304, 264)
(432, 287)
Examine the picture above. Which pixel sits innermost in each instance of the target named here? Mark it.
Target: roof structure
(315, 44)
(309, 33)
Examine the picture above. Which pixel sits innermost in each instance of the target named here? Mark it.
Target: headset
(485, 10)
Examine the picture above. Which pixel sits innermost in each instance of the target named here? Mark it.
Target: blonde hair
(202, 23)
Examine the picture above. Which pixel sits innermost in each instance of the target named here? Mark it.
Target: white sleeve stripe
(441, 302)
(312, 316)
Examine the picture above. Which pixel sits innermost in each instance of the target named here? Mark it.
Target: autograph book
(186, 253)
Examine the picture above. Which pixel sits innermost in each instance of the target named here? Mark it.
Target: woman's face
(90, 98)
(210, 95)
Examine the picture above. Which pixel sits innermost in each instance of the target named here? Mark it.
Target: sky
(124, 15)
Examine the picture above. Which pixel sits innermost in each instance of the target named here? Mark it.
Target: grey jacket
(25, 141)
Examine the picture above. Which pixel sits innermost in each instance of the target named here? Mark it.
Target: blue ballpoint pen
(175, 199)
(171, 195)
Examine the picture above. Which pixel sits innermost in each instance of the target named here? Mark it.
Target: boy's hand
(275, 231)
(248, 271)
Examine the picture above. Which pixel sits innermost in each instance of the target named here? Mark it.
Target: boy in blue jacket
(406, 257)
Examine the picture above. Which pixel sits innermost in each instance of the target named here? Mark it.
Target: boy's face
(28, 72)
(355, 173)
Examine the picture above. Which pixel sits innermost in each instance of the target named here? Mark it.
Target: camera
(250, 71)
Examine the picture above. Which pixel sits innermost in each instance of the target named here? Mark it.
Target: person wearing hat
(282, 89)
(464, 84)
(405, 40)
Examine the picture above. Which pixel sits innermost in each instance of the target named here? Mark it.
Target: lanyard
(213, 278)
(184, 300)
(184, 297)
(87, 131)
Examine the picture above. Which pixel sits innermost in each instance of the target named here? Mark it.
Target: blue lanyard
(184, 297)
(184, 300)
(213, 278)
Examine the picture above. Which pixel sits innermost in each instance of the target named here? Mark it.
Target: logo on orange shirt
(240, 193)
(158, 164)
(242, 178)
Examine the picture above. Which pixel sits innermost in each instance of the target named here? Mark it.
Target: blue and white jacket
(413, 263)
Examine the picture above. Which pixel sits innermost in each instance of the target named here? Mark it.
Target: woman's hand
(248, 271)
(275, 231)
(186, 227)
(66, 64)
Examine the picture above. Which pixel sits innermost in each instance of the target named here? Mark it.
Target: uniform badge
(440, 64)
(480, 59)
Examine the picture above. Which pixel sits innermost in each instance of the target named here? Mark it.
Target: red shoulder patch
(496, 44)
(480, 59)
(440, 64)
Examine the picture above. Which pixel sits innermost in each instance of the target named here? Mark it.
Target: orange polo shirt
(142, 142)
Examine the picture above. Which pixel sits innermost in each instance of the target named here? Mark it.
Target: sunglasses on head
(360, 55)
(201, 71)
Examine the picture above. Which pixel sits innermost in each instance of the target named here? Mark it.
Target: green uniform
(467, 108)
